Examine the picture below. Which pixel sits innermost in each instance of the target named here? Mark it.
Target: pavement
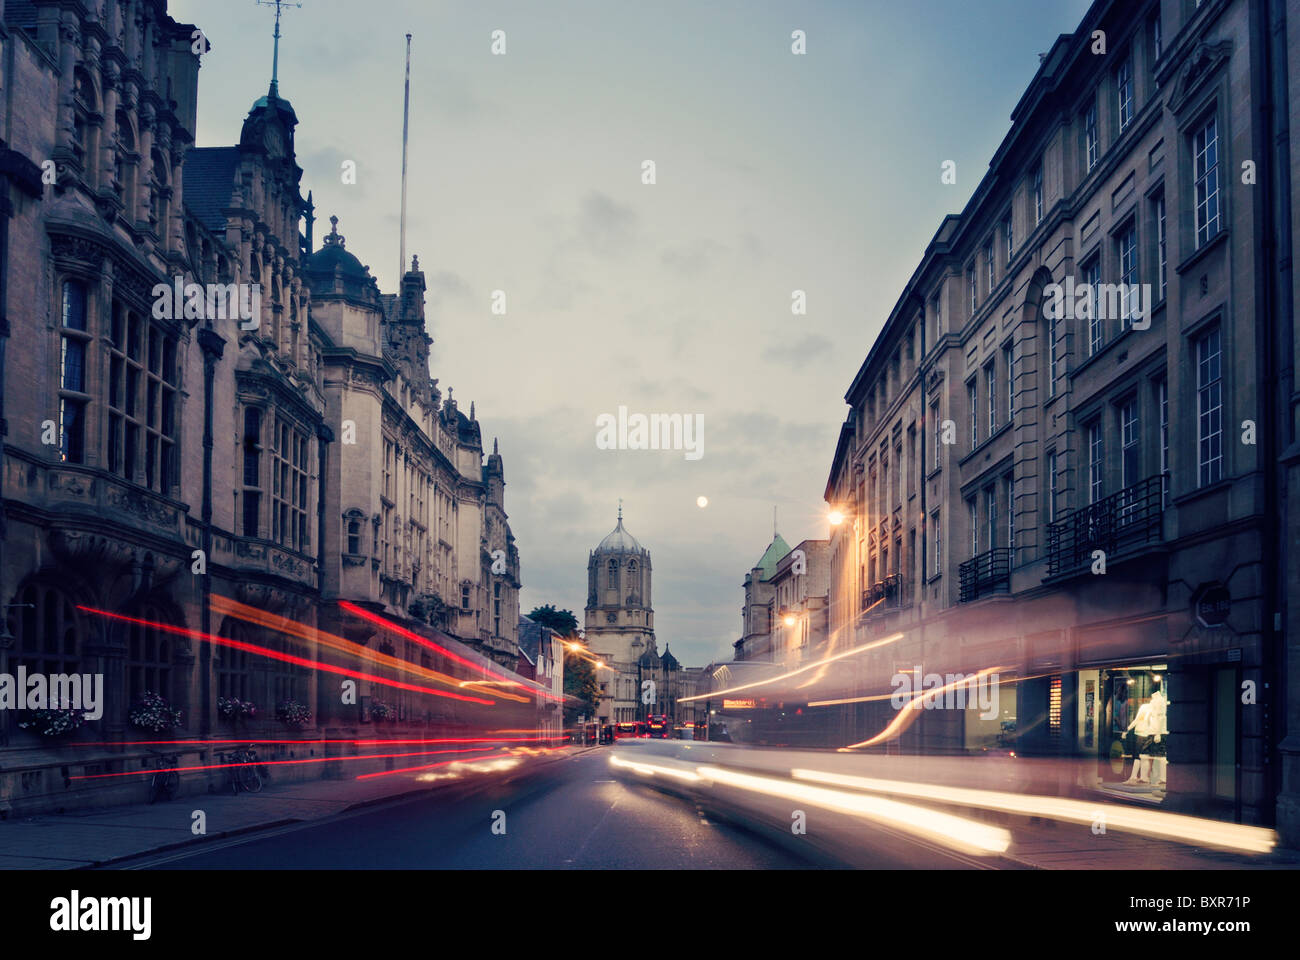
(103, 837)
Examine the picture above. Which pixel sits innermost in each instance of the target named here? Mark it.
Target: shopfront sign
(1213, 605)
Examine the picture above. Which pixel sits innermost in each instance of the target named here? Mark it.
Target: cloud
(604, 225)
(799, 353)
(448, 285)
(691, 260)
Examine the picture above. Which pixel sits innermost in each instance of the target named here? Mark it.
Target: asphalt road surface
(568, 814)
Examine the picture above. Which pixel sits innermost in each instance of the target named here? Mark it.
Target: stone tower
(619, 619)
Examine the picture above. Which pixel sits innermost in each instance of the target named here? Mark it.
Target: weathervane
(275, 59)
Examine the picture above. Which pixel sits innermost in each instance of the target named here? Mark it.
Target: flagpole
(406, 116)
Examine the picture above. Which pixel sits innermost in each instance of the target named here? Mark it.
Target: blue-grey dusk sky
(774, 172)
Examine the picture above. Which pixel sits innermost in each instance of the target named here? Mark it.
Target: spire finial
(620, 509)
(274, 91)
(774, 534)
(495, 450)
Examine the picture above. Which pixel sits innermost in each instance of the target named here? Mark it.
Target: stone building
(758, 614)
(619, 621)
(165, 464)
(1091, 500)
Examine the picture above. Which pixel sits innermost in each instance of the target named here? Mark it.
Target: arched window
(613, 574)
(232, 665)
(149, 655)
(48, 631)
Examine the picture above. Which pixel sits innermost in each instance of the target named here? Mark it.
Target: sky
(773, 173)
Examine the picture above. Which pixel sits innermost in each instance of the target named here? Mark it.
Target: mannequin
(1150, 725)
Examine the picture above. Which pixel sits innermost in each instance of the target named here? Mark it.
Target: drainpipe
(1275, 331)
(213, 346)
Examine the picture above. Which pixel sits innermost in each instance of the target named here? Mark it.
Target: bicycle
(165, 781)
(245, 775)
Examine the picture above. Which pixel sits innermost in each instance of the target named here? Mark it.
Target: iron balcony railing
(1126, 519)
(988, 572)
(891, 593)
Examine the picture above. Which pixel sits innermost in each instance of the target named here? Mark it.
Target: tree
(581, 689)
(562, 622)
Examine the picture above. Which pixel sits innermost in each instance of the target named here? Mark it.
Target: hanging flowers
(292, 713)
(152, 712)
(380, 711)
(234, 709)
(53, 723)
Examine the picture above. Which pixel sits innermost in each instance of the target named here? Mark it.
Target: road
(570, 813)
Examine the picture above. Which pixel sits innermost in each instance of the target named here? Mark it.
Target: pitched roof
(209, 178)
(777, 549)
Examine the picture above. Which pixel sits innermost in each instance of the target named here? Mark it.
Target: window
(73, 343)
(1010, 483)
(1091, 143)
(1128, 456)
(938, 542)
(973, 399)
(1162, 400)
(1128, 275)
(48, 631)
(1096, 462)
(233, 668)
(1010, 237)
(613, 574)
(148, 655)
(1096, 330)
(289, 488)
(973, 517)
(991, 382)
(252, 496)
(991, 515)
(1052, 371)
(1162, 243)
(972, 289)
(1009, 362)
(1052, 512)
(913, 461)
(1124, 93)
(938, 319)
(1209, 407)
(1157, 40)
(496, 609)
(1037, 192)
(1128, 438)
(464, 596)
(899, 470)
(1205, 157)
(936, 426)
(142, 384)
(354, 537)
(988, 264)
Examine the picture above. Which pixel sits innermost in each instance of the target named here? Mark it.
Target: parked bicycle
(244, 774)
(165, 781)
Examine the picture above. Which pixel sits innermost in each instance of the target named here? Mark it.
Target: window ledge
(1199, 492)
(1203, 251)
